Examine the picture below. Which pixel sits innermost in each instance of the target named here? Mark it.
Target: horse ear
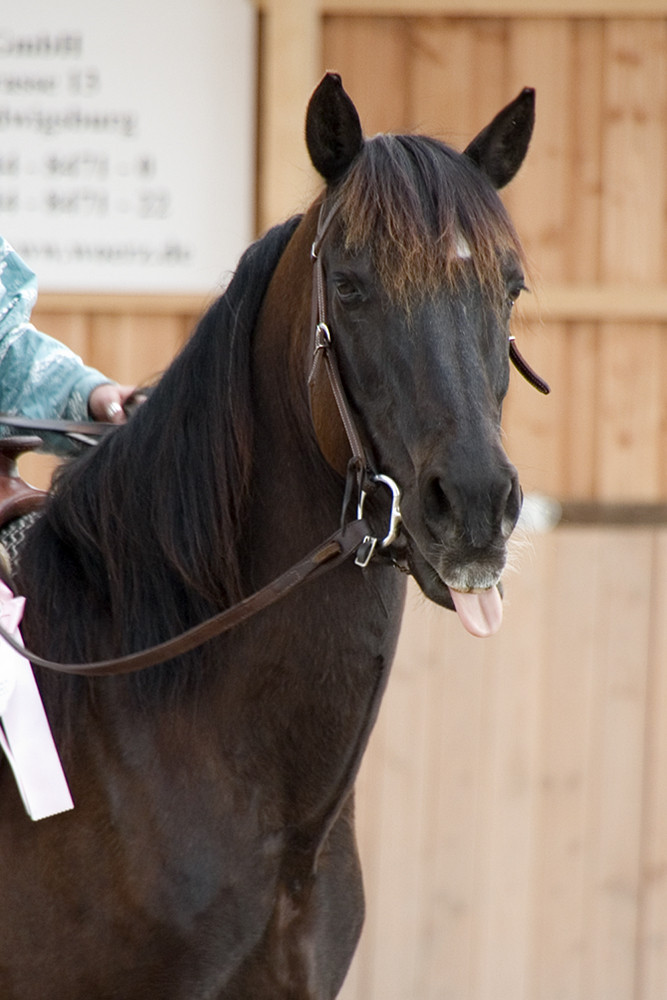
(333, 131)
(500, 148)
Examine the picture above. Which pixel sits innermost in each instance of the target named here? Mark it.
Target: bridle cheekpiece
(323, 353)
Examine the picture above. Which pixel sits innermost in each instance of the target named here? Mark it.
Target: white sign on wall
(126, 141)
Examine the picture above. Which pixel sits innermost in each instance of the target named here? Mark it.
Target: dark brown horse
(211, 852)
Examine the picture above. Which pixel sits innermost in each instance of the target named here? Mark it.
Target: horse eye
(346, 290)
(514, 292)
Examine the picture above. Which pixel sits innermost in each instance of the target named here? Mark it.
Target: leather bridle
(353, 537)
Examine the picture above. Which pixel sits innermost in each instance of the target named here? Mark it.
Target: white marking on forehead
(462, 247)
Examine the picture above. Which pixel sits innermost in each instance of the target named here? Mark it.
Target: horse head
(420, 269)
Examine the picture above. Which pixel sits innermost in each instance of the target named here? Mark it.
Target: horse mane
(140, 538)
(411, 198)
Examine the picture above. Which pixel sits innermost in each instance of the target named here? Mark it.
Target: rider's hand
(106, 402)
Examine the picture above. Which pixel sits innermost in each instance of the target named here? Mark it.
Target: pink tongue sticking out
(481, 613)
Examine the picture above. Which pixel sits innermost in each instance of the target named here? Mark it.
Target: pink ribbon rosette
(25, 734)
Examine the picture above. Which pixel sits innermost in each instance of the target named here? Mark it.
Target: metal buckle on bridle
(366, 550)
(322, 337)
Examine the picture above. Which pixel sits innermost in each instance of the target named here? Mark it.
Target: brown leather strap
(96, 428)
(524, 368)
(331, 553)
(322, 345)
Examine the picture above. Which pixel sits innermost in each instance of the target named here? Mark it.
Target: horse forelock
(427, 215)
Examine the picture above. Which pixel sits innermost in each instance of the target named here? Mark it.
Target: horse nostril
(436, 504)
(482, 508)
(512, 504)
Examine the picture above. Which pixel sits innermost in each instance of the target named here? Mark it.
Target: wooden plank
(589, 513)
(448, 97)
(154, 305)
(490, 8)
(583, 206)
(477, 8)
(134, 349)
(569, 642)
(630, 413)
(661, 430)
(372, 57)
(289, 71)
(620, 302)
(538, 51)
(580, 419)
(652, 937)
(621, 608)
(508, 797)
(634, 157)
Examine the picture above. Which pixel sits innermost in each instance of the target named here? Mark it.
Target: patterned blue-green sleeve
(39, 376)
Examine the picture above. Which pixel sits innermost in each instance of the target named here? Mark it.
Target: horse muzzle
(455, 546)
(473, 590)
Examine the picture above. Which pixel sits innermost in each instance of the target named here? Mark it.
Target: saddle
(17, 498)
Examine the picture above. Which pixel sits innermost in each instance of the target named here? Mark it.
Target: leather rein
(352, 537)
